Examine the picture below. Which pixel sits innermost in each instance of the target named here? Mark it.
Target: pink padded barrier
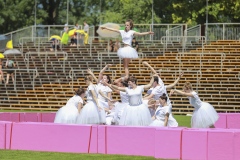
(50, 137)
(4, 116)
(5, 134)
(168, 142)
(130, 140)
(48, 117)
(194, 144)
(222, 121)
(233, 120)
(236, 144)
(220, 144)
(30, 117)
(101, 139)
(14, 116)
(93, 146)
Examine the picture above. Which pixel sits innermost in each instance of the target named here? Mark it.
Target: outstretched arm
(176, 81)
(150, 83)
(100, 76)
(142, 34)
(110, 29)
(175, 91)
(114, 87)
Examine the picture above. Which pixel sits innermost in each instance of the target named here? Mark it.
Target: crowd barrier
(158, 142)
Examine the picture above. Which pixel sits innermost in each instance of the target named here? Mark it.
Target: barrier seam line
(5, 139)
(10, 147)
(207, 147)
(90, 138)
(181, 144)
(105, 139)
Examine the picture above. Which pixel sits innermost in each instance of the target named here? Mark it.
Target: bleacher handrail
(47, 53)
(34, 76)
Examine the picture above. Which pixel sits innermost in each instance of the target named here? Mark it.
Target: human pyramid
(154, 109)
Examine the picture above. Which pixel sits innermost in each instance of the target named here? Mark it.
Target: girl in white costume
(163, 116)
(127, 52)
(68, 113)
(136, 112)
(204, 115)
(91, 113)
(158, 88)
(120, 106)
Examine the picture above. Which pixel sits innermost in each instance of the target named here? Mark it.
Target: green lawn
(30, 155)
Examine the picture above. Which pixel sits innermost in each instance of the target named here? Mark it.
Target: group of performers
(154, 109)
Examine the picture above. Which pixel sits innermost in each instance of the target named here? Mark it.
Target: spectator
(117, 45)
(66, 28)
(86, 27)
(1, 73)
(10, 65)
(55, 45)
(110, 46)
(135, 44)
(76, 26)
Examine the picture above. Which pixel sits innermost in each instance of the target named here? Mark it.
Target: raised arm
(89, 71)
(150, 67)
(176, 81)
(175, 91)
(142, 34)
(110, 29)
(100, 76)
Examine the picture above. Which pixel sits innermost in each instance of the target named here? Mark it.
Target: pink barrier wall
(222, 121)
(220, 144)
(93, 146)
(50, 137)
(194, 144)
(48, 117)
(5, 134)
(101, 137)
(233, 120)
(168, 143)
(130, 140)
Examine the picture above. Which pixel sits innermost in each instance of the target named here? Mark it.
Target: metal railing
(28, 70)
(222, 31)
(46, 54)
(193, 31)
(183, 40)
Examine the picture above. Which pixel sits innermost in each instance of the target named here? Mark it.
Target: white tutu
(90, 114)
(171, 122)
(204, 116)
(127, 52)
(119, 108)
(136, 116)
(67, 114)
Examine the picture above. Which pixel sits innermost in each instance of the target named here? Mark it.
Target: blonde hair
(187, 86)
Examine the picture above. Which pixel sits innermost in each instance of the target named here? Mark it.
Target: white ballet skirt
(136, 112)
(90, 114)
(103, 102)
(68, 113)
(127, 52)
(160, 117)
(204, 114)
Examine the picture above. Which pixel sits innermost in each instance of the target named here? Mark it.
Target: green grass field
(183, 121)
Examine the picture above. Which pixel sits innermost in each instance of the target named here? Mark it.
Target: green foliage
(16, 14)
